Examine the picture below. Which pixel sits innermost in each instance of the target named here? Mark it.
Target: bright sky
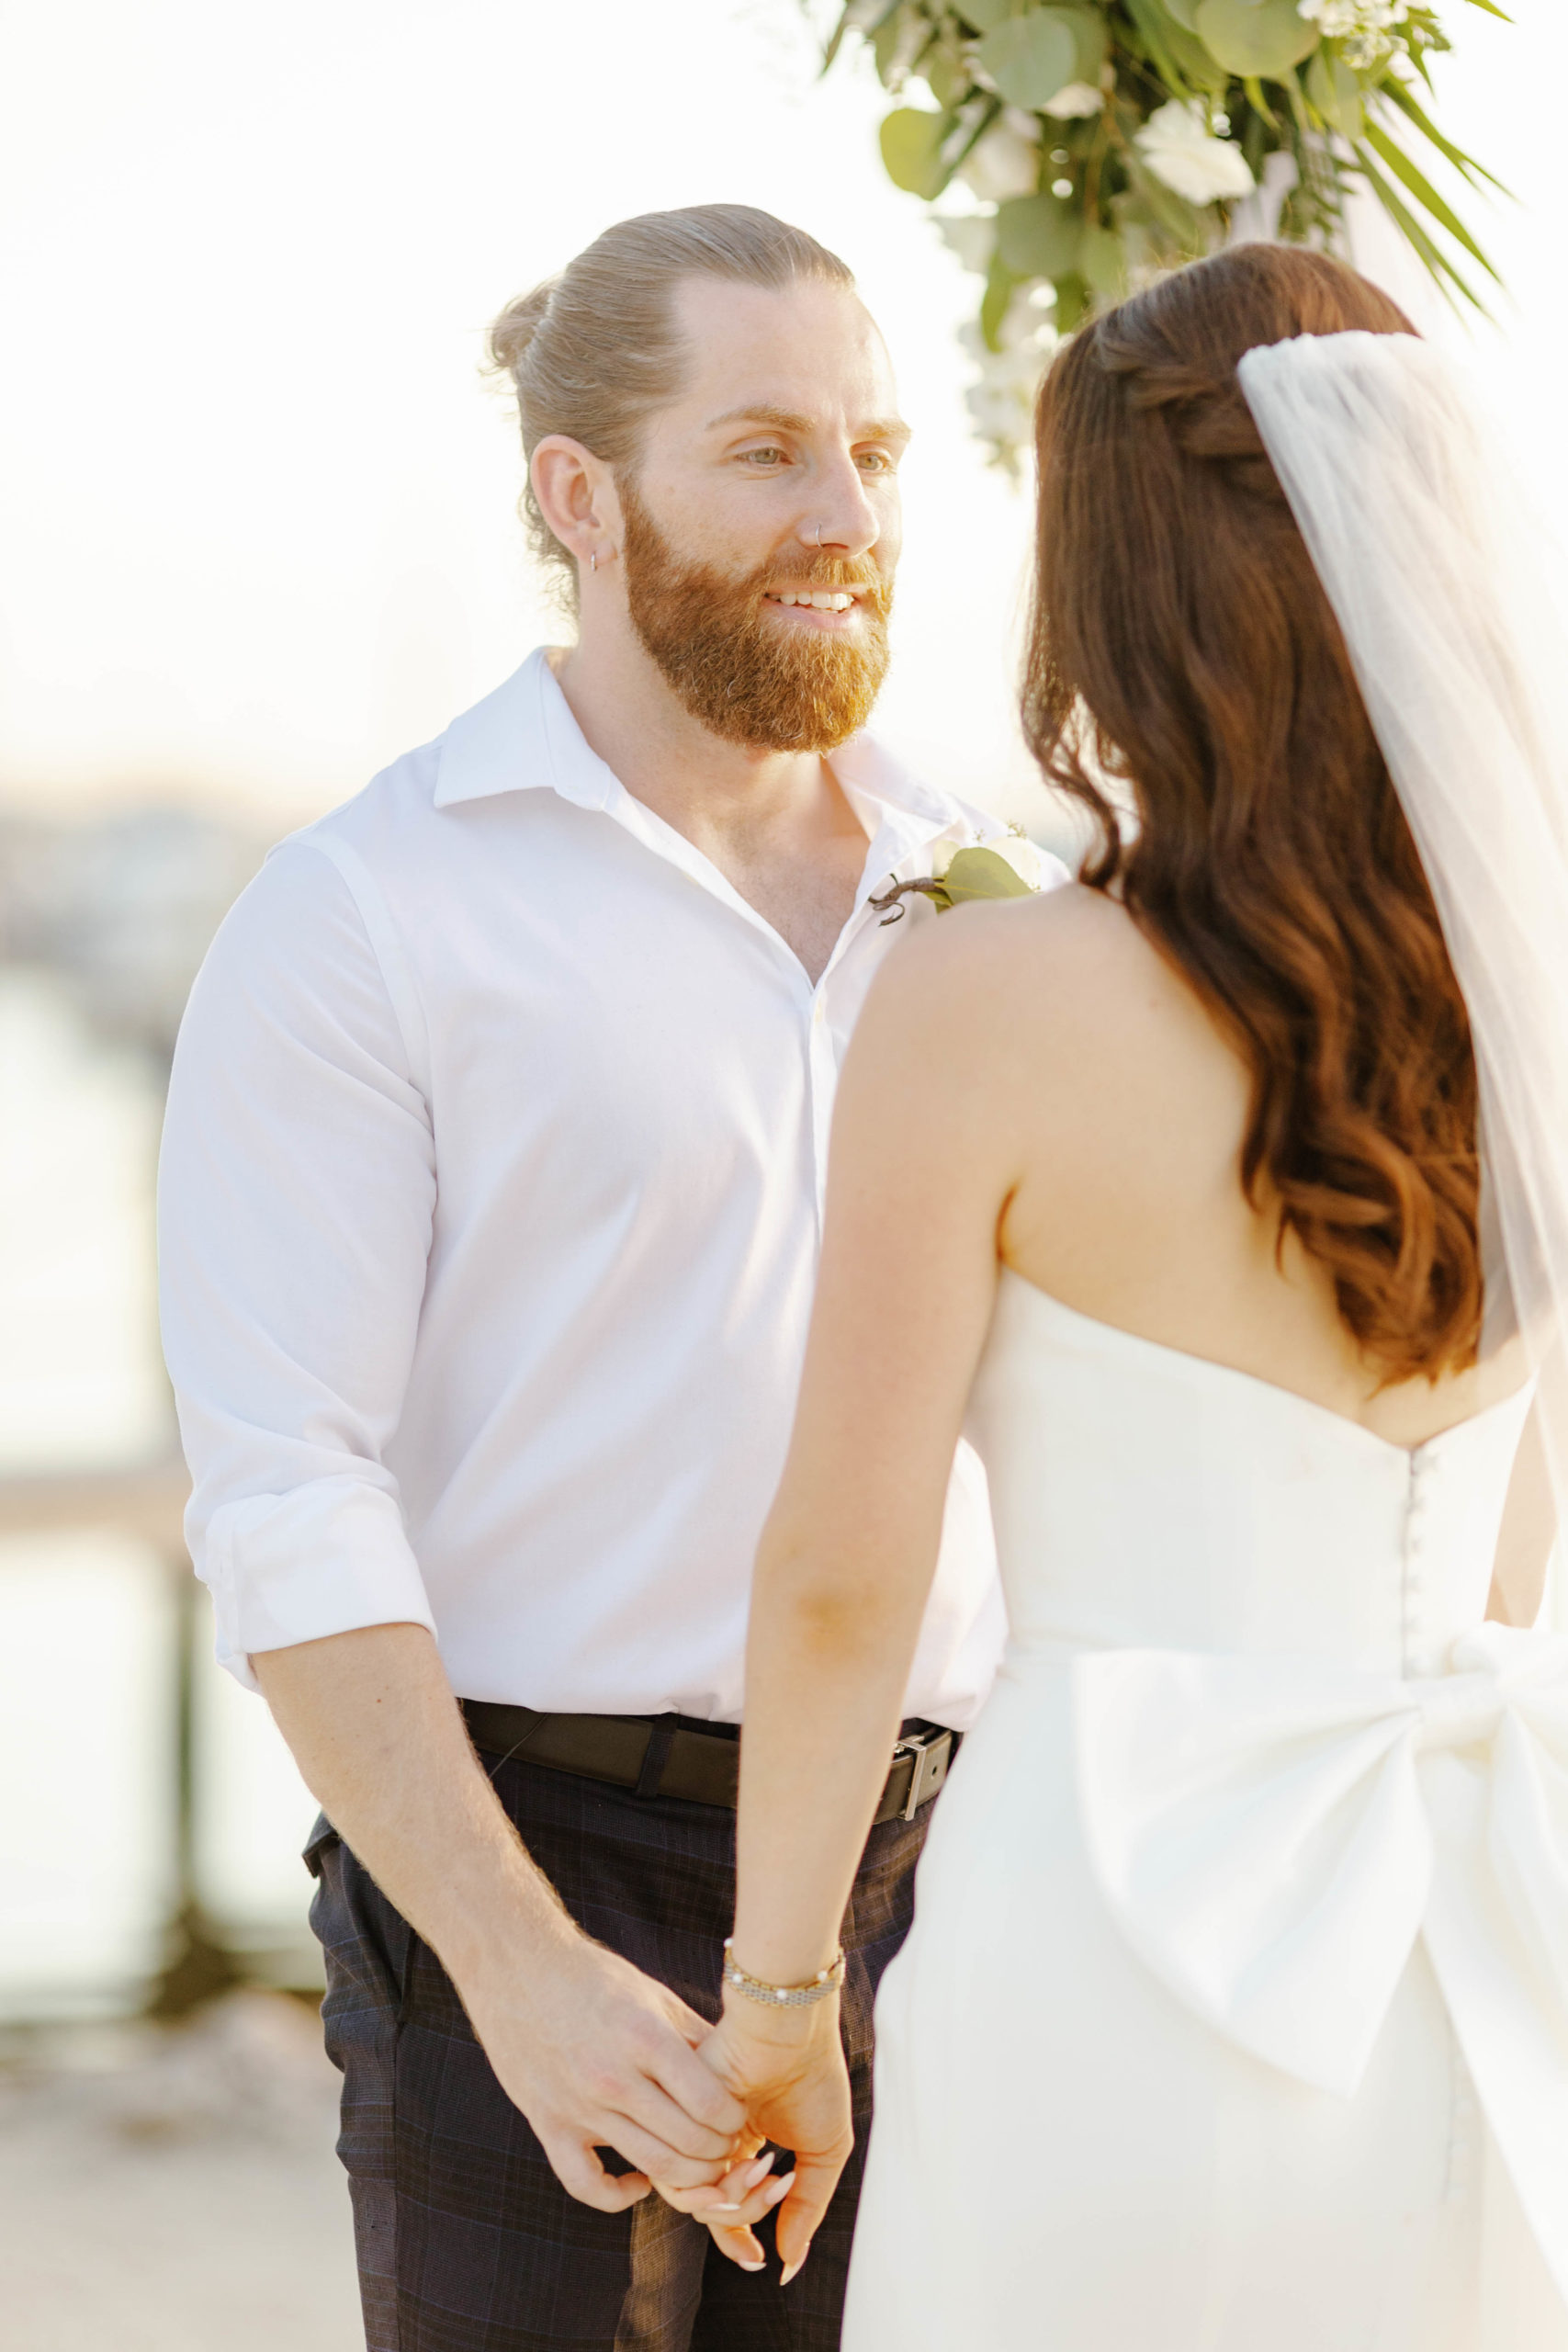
(258, 534)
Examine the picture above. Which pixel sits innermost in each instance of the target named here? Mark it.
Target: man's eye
(768, 459)
(877, 461)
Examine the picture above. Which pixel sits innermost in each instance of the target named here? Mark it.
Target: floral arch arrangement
(1102, 142)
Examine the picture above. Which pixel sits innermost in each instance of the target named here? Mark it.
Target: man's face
(785, 434)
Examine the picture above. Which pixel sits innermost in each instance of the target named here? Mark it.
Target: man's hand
(595, 2054)
(598, 2055)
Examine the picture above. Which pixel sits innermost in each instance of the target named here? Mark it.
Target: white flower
(998, 416)
(971, 235)
(1001, 404)
(1336, 19)
(1179, 149)
(1015, 847)
(1078, 98)
(1006, 161)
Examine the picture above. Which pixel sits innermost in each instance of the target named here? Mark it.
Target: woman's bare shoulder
(1055, 1022)
(1061, 969)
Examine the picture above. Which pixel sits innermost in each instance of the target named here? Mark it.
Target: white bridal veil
(1448, 597)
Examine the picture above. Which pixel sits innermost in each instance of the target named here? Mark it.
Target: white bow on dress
(1272, 1832)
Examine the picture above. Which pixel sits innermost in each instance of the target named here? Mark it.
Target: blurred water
(88, 1619)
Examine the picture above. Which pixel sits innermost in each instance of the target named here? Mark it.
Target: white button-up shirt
(491, 1199)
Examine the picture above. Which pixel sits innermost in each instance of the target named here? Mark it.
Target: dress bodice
(1143, 1497)
(1295, 1746)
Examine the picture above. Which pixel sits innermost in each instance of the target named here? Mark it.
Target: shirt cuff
(328, 1557)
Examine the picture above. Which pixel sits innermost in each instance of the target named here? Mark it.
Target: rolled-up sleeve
(296, 1195)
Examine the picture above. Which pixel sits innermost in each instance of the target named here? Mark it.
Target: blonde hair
(594, 352)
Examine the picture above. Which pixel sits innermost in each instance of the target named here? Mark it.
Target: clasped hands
(598, 2055)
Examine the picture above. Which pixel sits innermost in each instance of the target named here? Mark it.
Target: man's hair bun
(511, 333)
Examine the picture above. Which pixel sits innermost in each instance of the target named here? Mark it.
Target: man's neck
(698, 781)
(774, 823)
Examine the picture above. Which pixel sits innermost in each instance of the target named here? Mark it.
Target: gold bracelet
(784, 1997)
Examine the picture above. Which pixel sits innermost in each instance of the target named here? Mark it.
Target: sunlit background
(257, 536)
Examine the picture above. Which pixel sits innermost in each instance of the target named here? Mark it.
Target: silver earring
(593, 560)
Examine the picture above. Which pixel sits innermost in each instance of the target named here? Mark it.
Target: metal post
(197, 1965)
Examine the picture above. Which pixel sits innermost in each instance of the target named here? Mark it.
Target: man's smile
(819, 608)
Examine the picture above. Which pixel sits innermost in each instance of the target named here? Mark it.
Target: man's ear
(576, 492)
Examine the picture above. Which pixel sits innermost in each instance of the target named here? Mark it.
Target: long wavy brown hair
(1182, 650)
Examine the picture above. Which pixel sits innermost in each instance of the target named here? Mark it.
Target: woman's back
(1132, 1109)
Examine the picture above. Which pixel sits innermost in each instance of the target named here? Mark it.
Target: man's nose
(839, 517)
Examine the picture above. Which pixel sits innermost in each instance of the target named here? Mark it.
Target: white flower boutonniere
(1008, 867)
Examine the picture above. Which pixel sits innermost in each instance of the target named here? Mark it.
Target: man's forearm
(376, 1731)
(594, 2053)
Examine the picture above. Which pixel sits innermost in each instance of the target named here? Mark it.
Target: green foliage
(1108, 139)
(1039, 236)
(1264, 38)
(1030, 58)
(912, 150)
(976, 873)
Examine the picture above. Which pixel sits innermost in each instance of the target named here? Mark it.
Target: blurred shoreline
(175, 2188)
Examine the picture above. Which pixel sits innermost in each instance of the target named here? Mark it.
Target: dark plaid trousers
(466, 2240)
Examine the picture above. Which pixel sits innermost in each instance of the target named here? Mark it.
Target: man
(489, 1205)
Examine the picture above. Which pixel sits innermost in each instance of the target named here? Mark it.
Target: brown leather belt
(675, 1756)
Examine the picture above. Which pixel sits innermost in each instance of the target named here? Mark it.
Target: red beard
(779, 688)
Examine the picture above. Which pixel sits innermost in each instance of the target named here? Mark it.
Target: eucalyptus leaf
(1102, 258)
(1183, 11)
(911, 142)
(947, 78)
(994, 303)
(1030, 58)
(1175, 52)
(1193, 62)
(1254, 36)
(981, 874)
(985, 14)
(1335, 91)
(1073, 302)
(1089, 32)
(899, 42)
(1038, 236)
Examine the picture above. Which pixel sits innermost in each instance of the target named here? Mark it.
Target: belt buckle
(932, 1753)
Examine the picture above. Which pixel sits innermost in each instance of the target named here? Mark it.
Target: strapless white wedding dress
(1235, 2018)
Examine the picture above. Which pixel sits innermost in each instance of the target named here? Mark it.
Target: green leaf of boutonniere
(983, 874)
(961, 876)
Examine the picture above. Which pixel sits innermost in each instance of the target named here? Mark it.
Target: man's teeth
(825, 600)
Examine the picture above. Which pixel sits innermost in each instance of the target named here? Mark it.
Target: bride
(1236, 2011)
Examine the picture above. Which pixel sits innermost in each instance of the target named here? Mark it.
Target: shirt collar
(524, 737)
(521, 738)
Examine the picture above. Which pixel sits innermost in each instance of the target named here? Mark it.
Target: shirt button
(816, 1015)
